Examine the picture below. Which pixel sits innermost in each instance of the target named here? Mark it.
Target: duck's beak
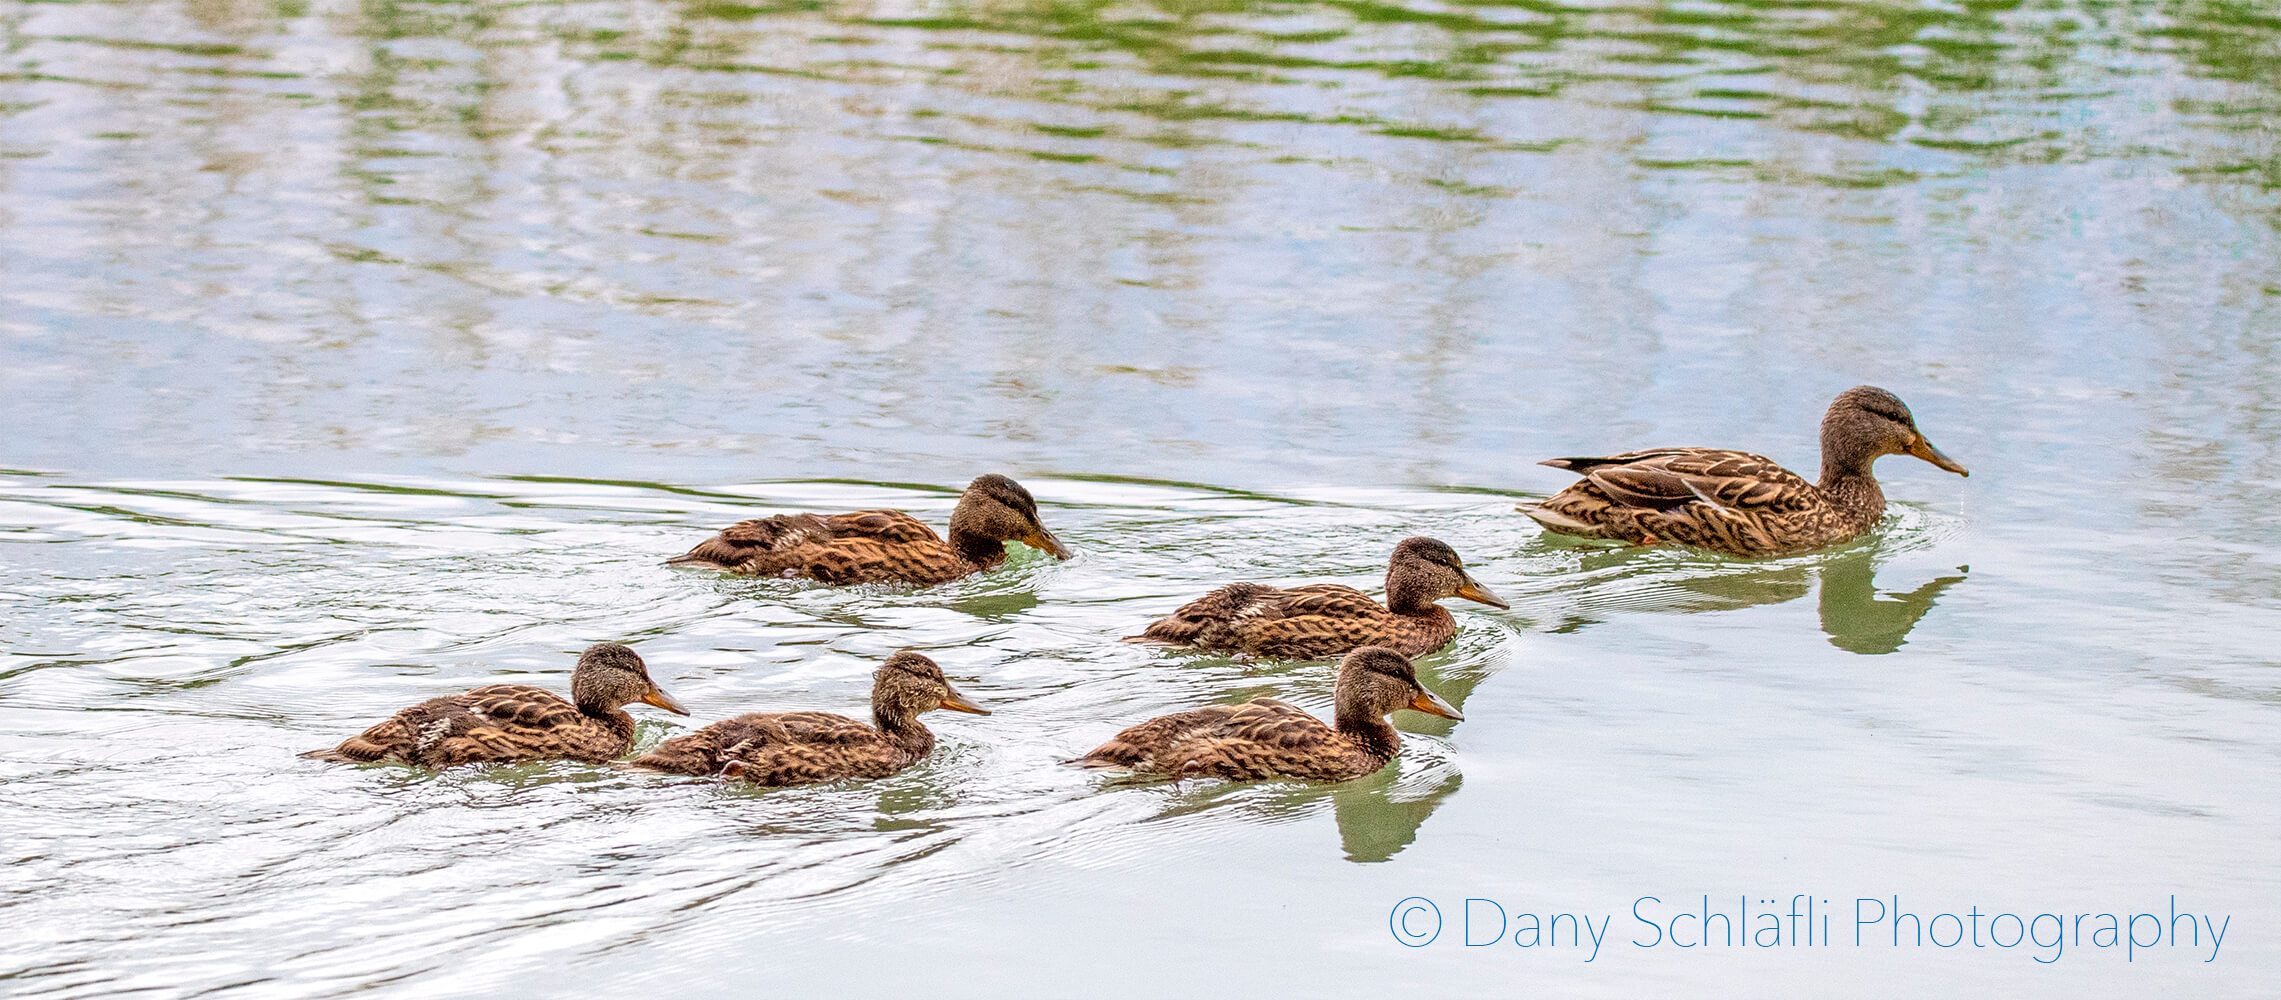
(1431, 704)
(957, 702)
(1924, 449)
(657, 696)
(1474, 591)
(1043, 541)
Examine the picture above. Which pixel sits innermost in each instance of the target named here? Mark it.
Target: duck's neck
(904, 730)
(1847, 481)
(1405, 597)
(1369, 732)
(983, 552)
(613, 719)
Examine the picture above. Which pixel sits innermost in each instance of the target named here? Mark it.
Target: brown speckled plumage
(798, 748)
(881, 546)
(513, 722)
(1327, 619)
(1739, 503)
(1266, 738)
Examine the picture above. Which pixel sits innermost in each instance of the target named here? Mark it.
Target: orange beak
(1431, 704)
(1043, 541)
(1474, 591)
(957, 702)
(1924, 449)
(659, 698)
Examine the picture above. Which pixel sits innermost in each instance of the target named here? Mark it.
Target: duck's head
(610, 676)
(909, 684)
(1375, 681)
(1865, 422)
(1423, 571)
(997, 509)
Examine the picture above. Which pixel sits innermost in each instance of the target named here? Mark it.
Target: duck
(1322, 620)
(882, 546)
(800, 748)
(1737, 503)
(1267, 738)
(506, 723)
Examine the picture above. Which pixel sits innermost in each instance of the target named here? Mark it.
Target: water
(355, 353)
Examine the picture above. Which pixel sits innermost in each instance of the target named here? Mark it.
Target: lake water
(353, 353)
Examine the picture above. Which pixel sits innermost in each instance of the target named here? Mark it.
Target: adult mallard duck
(1266, 738)
(503, 723)
(1739, 503)
(798, 748)
(1327, 619)
(876, 546)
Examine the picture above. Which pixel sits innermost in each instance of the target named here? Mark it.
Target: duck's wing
(1264, 739)
(1321, 619)
(1262, 722)
(1674, 477)
(815, 727)
(497, 722)
(1199, 621)
(1136, 744)
(789, 538)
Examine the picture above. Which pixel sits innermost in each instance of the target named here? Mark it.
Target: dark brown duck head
(1423, 571)
(995, 510)
(1866, 422)
(908, 685)
(1375, 682)
(610, 676)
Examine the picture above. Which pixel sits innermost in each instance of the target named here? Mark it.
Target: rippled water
(356, 353)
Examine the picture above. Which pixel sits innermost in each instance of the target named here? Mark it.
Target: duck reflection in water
(1856, 615)
(1378, 815)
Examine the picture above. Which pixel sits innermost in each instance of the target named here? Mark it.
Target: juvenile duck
(1266, 738)
(515, 722)
(798, 748)
(1739, 503)
(1326, 619)
(874, 546)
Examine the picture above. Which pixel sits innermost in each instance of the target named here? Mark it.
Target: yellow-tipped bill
(1043, 541)
(659, 698)
(957, 702)
(1431, 704)
(1924, 449)
(1474, 591)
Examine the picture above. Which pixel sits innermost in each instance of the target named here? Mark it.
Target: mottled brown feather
(788, 748)
(863, 547)
(1739, 503)
(495, 723)
(1260, 739)
(1308, 622)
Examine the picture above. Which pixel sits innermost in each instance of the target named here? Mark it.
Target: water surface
(353, 353)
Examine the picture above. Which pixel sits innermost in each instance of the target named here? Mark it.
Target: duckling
(876, 546)
(502, 723)
(1326, 619)
(799, 748)
(1738, 503)
(1266, 738)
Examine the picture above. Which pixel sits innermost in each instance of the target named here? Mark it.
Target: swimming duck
(798, 748)
(1739, 503)
(516, 722)
(1266, 738)
(874, 546)
(1327, 619)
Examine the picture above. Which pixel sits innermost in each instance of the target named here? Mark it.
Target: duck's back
(1264, 738)
(495, 723)
(782, 748)
(1726, 501)
(863, 547)
(1313, 621)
